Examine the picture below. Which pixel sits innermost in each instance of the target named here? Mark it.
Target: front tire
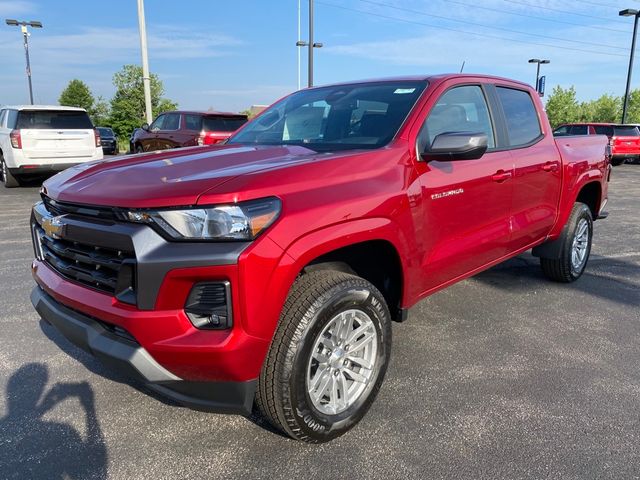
(6, 176)
(576, 247)
(328, 357)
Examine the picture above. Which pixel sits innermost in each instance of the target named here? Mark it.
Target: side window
(579, 130)
(3, 114)
(193, 122)
(12, 118)
(158, 123)
(561, 131)
(520, 113)
(171, 122)
(604, 130)
(461, 109)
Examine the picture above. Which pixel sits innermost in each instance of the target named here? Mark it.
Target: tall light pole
(538, 61)
(311, 45)
(629, 12)
(146, 79)
(25, 35)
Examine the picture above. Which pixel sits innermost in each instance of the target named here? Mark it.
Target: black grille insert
(107, 270)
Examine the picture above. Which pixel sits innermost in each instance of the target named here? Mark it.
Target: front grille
(104, 269)
(56, 208)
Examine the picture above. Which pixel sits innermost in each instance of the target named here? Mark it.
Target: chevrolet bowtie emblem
(53, 226)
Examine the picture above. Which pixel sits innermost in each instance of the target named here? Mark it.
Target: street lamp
(311, 45)
(25, 35)
(629, 12)
(538, 61)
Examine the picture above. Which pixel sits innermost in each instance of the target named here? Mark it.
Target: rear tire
(576, 247)
(328, 357)
(6, 176)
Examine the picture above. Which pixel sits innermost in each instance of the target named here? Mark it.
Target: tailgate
(625, 145)
(44, 143)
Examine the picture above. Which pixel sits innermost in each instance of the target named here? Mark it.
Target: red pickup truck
(269, 269)
(624, 139)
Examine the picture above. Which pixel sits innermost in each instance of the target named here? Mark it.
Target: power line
(605, 5)
(544, 19)
(580, 42)
(557, 10)
(471, 33)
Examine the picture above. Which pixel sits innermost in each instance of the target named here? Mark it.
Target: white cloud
(10, 8)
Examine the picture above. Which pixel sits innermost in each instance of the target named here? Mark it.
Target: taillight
(97, 135)
(208, 138)
(16, 139)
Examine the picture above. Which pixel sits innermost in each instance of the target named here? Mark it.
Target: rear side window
(193, 122)
(579, 130)
(604, 130)
(52, 120)
(561, 131)
(520, 113)
(626, 131)
(3, 114)
(461, 109)
(12, 118)
(223, 124)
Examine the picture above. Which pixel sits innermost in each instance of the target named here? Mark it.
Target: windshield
(105, 132)
(52, 119)
(341, 117)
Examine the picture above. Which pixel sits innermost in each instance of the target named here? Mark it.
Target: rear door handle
(500, 176)
(550, 167)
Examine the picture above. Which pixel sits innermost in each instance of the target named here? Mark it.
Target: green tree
(77, 94)
(562, 106)
(127, 105)
(606, 109)
(633, 109)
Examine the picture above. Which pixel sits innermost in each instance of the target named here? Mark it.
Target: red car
(624, 139)
(270, 268)
(186, 129)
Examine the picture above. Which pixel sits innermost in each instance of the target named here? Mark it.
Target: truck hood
(168, 178)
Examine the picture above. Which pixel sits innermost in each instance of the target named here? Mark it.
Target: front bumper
(130, 358)
(153, 316)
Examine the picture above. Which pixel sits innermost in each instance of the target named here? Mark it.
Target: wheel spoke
(357, 332)
(363, 362)
(366, 339)
(355, 376)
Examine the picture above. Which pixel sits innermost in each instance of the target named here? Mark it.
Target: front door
(467, 203)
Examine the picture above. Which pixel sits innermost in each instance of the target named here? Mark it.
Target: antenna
(462, 67)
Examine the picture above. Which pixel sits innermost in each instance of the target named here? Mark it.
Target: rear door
(56, 134)
(538, 173)
(466, 202)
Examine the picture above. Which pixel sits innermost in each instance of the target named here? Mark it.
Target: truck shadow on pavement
(32, 447)
(605, 278)
(93, 365)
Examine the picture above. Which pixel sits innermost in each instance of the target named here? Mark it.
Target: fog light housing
(209, 306)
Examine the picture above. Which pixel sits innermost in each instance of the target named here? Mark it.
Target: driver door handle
(550, 167)
(501, 175)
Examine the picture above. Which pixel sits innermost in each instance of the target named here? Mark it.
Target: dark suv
(185, 129)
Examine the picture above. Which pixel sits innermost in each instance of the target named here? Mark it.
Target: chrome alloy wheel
(343, 361)
(580, 245)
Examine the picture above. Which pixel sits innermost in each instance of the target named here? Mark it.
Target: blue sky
(231, 54)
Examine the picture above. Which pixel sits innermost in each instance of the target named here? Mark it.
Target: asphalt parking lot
(505, 375)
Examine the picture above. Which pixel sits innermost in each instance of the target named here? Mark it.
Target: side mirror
(457, 146)
(145, 127)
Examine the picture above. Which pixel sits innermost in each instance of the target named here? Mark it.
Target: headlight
(240, 221)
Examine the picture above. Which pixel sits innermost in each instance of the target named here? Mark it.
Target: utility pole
(25, 37)
(311, 45)
(629, 13)
(146, 79)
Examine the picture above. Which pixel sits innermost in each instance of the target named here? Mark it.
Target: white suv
(36, 139)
